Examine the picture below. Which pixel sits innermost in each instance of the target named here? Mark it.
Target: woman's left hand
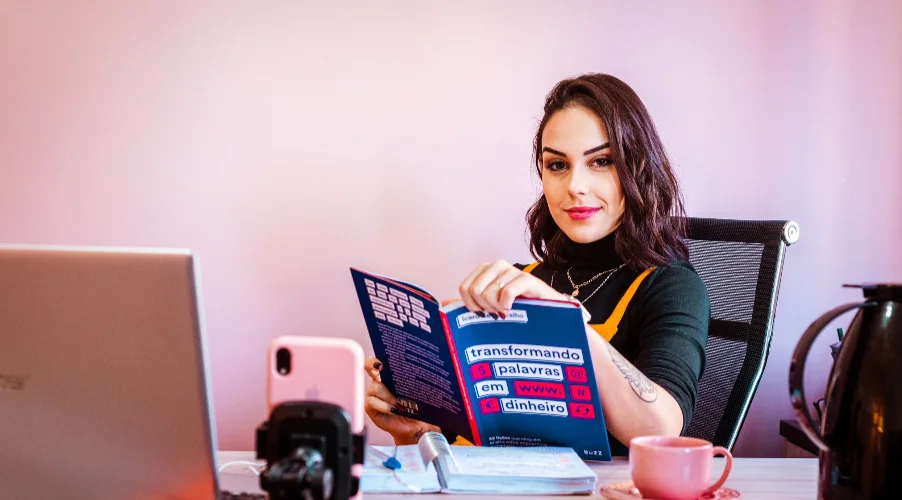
(492, 287)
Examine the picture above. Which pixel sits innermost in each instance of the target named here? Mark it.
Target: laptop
(104, 389)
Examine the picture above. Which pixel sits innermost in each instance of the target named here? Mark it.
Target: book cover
(526, 380)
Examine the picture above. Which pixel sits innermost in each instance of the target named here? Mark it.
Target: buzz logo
(312, 394)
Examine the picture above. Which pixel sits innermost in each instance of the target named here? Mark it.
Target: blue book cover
(526, 380)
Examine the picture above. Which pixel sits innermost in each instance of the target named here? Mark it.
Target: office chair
(741, 263)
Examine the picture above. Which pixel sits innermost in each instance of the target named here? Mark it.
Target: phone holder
(309, 451)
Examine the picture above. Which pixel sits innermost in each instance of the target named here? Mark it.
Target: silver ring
(500, 284)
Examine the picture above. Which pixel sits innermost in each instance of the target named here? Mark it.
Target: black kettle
(860, 436)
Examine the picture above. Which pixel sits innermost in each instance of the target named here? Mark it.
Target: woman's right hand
(380, 406)
(492, 288)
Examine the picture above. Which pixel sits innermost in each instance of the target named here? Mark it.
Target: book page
(409, 337)
(551, 463)
(433, 445)
(530, 378)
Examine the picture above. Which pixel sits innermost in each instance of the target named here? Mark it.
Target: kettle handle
(797, 371)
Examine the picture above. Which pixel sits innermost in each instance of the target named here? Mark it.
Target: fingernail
(503, 315)
(377, 365)
(394, 410)
(480, 314)
(493, 315)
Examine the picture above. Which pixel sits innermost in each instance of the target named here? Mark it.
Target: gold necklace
(576, 290)
(593, 278)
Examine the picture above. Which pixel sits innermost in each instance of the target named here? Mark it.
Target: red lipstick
(581, 213)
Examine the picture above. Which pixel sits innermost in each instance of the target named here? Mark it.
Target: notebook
(435, 466)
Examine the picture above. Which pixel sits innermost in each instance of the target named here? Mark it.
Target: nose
(578, 181)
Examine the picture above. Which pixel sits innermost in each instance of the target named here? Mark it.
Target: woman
(607, 232)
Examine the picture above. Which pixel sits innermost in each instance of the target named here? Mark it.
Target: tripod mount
(309, 451)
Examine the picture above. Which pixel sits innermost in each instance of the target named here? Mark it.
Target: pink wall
(286, 142)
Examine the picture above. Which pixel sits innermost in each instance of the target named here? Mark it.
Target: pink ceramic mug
(675, 468)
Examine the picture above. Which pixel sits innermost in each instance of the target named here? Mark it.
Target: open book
(433, 466)
(526, 380)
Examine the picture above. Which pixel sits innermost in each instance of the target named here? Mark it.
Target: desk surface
(755, 478)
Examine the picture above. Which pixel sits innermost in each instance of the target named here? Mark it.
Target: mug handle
(720, 450)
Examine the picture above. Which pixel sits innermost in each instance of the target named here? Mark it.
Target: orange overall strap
(609, 328)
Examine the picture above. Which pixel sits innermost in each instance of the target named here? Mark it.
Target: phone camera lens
(283, 361)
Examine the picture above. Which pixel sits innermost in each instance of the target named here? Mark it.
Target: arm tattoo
(418, 434)
(640, 384)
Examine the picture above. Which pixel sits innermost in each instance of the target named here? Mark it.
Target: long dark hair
(653, 225)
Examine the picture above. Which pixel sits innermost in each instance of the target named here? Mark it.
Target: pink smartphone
(318, 369)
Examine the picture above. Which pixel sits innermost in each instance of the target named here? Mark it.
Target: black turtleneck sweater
(664, 330)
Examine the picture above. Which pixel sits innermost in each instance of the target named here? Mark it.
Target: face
(578, 175)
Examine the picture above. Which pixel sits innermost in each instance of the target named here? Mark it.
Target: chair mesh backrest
(740, 263)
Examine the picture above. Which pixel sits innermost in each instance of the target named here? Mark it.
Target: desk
(755, 478)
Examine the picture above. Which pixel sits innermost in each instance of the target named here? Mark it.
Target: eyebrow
(597, 148)
(586, 152)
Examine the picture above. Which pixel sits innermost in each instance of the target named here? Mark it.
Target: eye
(603, 161)
(555, 165)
